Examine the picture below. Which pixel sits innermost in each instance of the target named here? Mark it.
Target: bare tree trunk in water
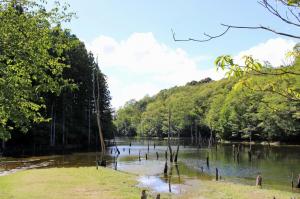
(177, 151)
(98, 113)
(169, 142)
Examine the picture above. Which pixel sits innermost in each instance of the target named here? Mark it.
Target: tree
(31, 61)
(254, 67)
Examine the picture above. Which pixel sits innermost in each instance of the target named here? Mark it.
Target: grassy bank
(89, 183)
(69, 183)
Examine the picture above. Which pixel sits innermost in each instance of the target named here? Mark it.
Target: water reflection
(275, 164)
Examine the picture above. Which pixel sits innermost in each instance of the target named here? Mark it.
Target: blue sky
(136, 50)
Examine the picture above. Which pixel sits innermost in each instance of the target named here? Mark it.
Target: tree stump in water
(259, 181)
(146, 156)
(166, 155)
(157, 156)
(139, 155)
(154, 145)
(166, 168)
(144, 195)
(158, 196)
(298, 182)
(207, 161)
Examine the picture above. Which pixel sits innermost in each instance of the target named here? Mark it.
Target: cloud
(273, 51)
(142, 65)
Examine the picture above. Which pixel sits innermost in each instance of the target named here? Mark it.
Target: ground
(105, 183)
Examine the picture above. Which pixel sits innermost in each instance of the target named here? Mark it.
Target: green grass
(69, 183)
(89, 183)
(227, 190)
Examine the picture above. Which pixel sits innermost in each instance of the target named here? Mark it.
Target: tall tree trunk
(98, 113)
(169, 141)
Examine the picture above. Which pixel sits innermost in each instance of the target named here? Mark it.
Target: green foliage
(31, 62)
(231, 108)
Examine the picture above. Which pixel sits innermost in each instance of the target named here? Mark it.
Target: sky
(136, 51)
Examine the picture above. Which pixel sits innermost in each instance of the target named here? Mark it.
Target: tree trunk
(98, 113)
(169, 142)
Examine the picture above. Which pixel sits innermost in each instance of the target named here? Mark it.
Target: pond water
(276, 164)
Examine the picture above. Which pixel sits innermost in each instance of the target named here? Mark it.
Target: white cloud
(273, 51)
(141, 65)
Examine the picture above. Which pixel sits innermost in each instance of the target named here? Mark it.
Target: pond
(276, 164)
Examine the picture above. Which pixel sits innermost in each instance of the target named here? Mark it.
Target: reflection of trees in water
(168, 176)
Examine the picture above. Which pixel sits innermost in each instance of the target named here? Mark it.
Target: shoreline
(87, 182)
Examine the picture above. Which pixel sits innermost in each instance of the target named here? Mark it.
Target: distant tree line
(227, 108)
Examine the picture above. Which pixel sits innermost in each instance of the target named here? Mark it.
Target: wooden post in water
(298, 182)
(217, 174)
(157, 156)
(207, 161)
(166, 168)
(259, 180)
(144, 195)
(166, 155)
(146, 156)
(139, 155)
(154, 145)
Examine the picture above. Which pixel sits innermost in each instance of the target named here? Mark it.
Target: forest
(47, 83)
(255, 106)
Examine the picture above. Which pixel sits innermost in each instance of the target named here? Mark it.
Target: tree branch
(275, 12)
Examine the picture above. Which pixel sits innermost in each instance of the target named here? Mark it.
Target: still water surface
(276, 164)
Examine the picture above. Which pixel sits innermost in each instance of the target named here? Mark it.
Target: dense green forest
(47, 82)
(229, 109)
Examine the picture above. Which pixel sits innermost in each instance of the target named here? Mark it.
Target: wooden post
(144, 195)
(157, 156)
(217, 174)
(207, 161)
(166, 155)
(298, 183)
(139, 155)
(259, 180)
(166, 168)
